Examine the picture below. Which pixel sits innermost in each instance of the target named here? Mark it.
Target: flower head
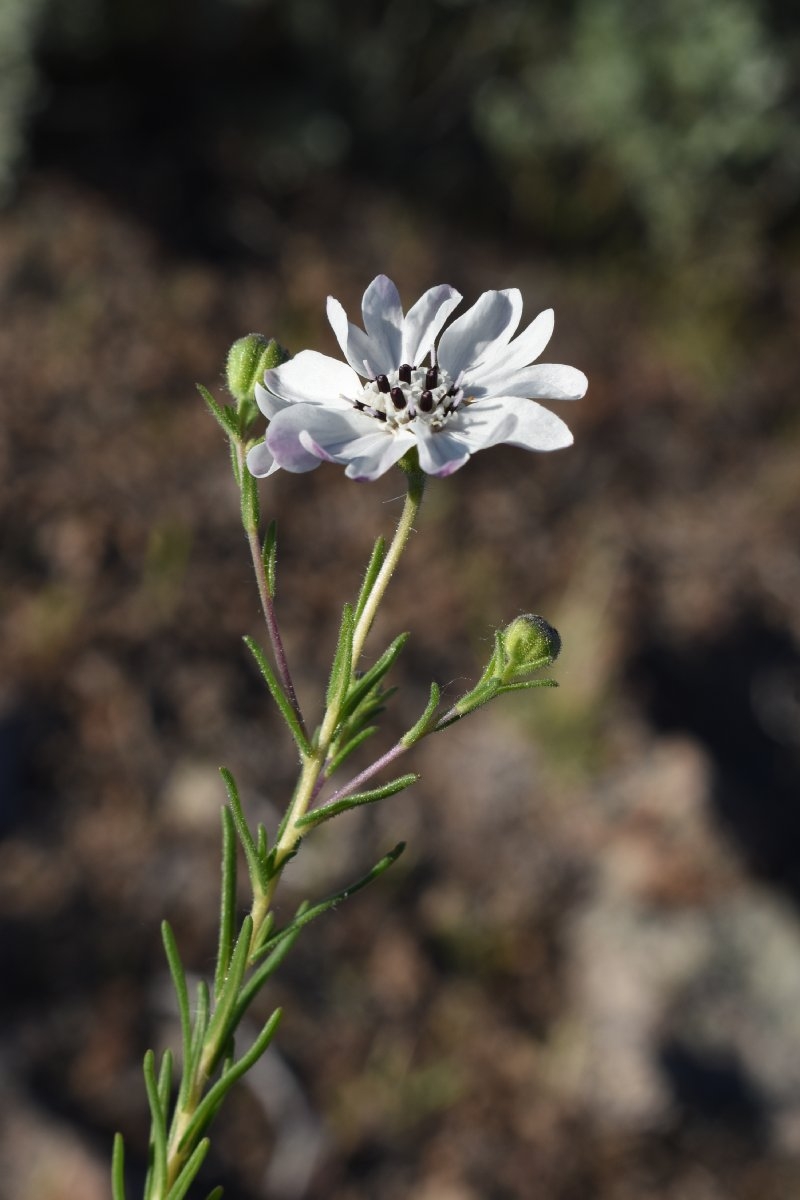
(400, 389)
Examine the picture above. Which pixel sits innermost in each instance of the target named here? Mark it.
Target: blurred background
(583, 977)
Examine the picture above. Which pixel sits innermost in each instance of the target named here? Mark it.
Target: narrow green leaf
(497, 662)
(347, 802)
(364, 685)
(237, 473)
(193, 1164)
(118, 1168)
(217, 1194)
(181, 991)
(251, 512)
(269, 552)
(305, 914)
(278, 695)
(229, 1056)
(258, 875)
(158, 1130)
(224, 414)
(339, 681)
(368, 710)
(165, 1081)
(286, 855)
(276, 950)
(210, 1103)
(426, 720)
(373, 567)
(262, 841)
(227, 916)
(267, 925)
(191, 1066)
(221, 1028)
(524, 687)
(480, 695)
(348, 748)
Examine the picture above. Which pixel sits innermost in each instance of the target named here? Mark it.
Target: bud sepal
(528, 644)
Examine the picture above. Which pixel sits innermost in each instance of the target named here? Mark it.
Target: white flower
(477, 389)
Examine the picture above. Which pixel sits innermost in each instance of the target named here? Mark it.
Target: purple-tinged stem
(348, 788)
(268, 608)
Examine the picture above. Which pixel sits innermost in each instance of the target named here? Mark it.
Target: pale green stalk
(313, 766)
(416, 489)
(184, 1141)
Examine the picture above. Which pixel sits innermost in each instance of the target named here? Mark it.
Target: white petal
(289, 451)
(424, 320)
(534, 427)
(542, 381)
(310, 378)
(523, 350)
(375, 454)
(440, 453)
(383, 321)
(327, 431)
(260, 461)
(362, 354)
(268, 403)
(482, 424)
(484, 328)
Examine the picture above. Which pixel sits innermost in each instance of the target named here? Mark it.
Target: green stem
(174, 1155)
(308, 783)
(265, 595)
(416, 489)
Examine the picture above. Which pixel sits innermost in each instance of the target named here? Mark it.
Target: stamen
(383, 383)
(431, 377)
(426, 402)
(398, 398)
(404, 374)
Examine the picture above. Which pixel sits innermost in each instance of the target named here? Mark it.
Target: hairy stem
(310, 779)
(312, 776)
(416, 489)
(267, 605)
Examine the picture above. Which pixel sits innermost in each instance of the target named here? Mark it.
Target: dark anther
(398, 398)
(453, 391)
(426, 402)
(383, 383)
(405, 373)
(380, 415)
(359, 405)
(431, 377)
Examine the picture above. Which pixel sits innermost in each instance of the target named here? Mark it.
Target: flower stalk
(250, 521)
(420, 418)
(415, 491)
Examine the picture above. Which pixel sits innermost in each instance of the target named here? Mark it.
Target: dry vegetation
(582, 979)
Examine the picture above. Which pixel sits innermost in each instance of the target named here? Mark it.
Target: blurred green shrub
(673, 110)
(670, 124)
(19, 20)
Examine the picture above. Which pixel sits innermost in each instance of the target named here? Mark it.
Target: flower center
(409, 394)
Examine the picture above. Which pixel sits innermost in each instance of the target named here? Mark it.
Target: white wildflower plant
(426, 397)
(401, 390)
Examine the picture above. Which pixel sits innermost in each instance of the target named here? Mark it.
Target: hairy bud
(248, 358)
(529, 643)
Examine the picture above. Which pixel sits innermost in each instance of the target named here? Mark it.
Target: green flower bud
(248, 358)
(529, 643)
